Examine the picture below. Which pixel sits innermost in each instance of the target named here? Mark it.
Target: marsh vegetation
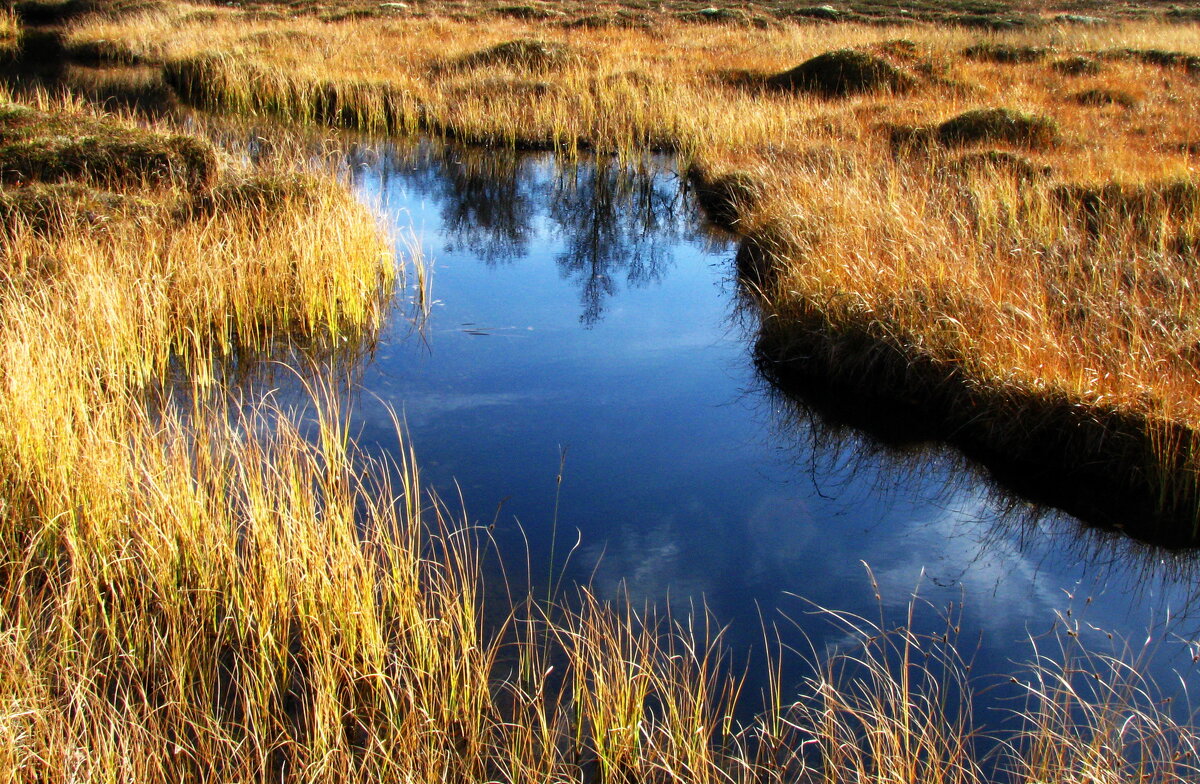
(1034, 187)
(992, 223)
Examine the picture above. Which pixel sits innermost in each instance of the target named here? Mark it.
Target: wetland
(666, 393)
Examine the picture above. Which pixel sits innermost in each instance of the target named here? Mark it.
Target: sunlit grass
(10, 30)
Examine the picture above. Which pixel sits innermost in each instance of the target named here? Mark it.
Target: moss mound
(717, 16)
(40, 147)
(535, 12)
(1000, 161)
(527, 53)
(995, 21)
(1160, 57)
(816, 13)
(1006, 126)
(1076, 66)
(844, 72)
(1004, 53)
(593, 22)
(1080, 19)
(1104, 97)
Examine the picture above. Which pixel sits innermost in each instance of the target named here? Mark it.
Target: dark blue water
(588, 327)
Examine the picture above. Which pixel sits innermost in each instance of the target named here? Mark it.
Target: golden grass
(622, 87)
(10, 30)
(217, 597)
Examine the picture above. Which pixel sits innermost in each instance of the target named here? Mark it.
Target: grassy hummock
(40, 146)
(844, 72)
(998, 126)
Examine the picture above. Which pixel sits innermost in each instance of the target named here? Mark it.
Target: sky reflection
(585, 319)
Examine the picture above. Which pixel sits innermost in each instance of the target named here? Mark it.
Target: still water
(585, 381)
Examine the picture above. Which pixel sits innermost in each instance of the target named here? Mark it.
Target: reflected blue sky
(584, 317)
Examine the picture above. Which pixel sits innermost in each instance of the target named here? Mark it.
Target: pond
(585, 383)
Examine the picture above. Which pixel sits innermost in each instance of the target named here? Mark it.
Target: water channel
(585, 383)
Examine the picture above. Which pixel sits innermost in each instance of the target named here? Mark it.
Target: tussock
(989, 126)
(842, 73)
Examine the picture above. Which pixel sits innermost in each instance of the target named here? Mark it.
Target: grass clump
(998, 22)
(1160, 57)
(1099, 96)
(726, 197)
(1114, 208)
(842, 73)
(716, 16)
(595, 22)
(38, 146)
(1079, 65)
(257, 196)
(1008, 126)
(10, 31)
(1006, 53)
(1080, 19)
(524, 53)
(100, 52)
(63, 206)
(1000, 162)
(536, 12)
(817, 13)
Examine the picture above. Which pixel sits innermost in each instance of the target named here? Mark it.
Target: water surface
(586, 382)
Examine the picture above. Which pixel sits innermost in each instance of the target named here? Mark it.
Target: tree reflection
(614, 221)
(487, 205)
